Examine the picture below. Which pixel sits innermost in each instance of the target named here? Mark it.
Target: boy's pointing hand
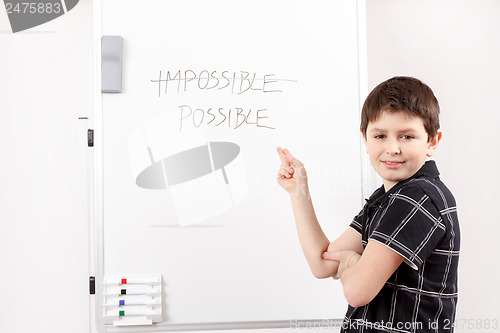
(292, 174)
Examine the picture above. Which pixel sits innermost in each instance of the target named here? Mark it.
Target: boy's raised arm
(293, 178)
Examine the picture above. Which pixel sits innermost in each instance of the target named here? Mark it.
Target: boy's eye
(407, 137)
(379, 136)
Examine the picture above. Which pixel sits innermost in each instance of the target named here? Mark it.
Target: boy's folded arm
(363, 280)
(349, 240)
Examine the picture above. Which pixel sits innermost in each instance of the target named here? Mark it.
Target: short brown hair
(402, 94)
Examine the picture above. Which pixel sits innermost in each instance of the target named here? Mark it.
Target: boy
(398, 260)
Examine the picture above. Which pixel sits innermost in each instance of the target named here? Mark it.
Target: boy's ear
(433, 143)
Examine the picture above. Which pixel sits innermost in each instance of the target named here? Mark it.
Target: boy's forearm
(364, 275)
(311, 236)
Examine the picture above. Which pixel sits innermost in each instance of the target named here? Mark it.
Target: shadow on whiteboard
(204, 179)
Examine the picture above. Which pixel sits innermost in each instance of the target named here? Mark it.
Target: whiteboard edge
(300, 324)
(98, 169)
(368, 176)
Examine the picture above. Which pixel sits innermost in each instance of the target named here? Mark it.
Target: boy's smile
(398, 146)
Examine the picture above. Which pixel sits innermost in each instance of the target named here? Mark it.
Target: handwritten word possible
(232, 82)
(232, 118)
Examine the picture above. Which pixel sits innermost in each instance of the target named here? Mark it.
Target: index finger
(281, 154)
(288, 155)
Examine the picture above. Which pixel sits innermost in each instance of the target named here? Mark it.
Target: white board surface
(189, 190)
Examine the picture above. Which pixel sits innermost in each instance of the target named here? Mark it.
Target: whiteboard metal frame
(368, 183)
(369, 178)
(163, 327)
(98, 167)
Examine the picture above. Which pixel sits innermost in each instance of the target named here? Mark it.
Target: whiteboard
(187, 153)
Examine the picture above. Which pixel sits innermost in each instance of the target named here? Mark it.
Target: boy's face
(398, 146)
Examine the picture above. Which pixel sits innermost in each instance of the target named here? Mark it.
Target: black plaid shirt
(417, 218)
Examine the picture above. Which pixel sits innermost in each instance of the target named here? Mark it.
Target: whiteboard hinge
(92, 285)
(90, 138)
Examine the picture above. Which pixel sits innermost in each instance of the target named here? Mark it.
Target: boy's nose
(393, 147)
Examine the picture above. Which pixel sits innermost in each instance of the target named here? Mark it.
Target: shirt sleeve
(410, 225)
(356, 223)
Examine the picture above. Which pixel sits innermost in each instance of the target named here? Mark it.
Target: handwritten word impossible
(233, 82)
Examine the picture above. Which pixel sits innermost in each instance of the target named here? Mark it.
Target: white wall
(454, 46)
(45, 85)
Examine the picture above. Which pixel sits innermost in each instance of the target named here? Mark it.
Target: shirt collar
(428, 171)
